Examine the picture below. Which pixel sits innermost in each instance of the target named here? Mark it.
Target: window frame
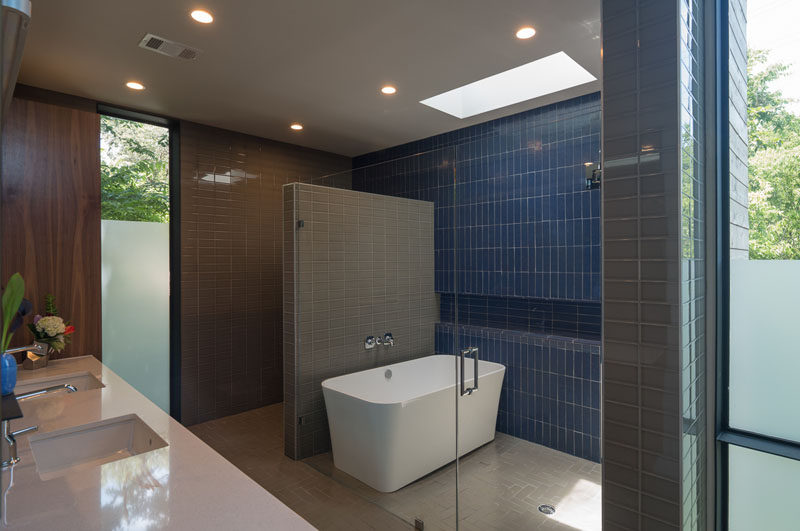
(173, 127)
(725, 435)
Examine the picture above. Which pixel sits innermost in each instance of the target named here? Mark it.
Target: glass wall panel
(764, 394)
(763, 493)
(135, 300)
(693, 264)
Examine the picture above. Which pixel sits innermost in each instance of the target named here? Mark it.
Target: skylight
(544, 76)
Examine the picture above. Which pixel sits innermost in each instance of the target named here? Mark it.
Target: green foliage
(50, 305)
(134, 170)
(774, 164)
(12, 298)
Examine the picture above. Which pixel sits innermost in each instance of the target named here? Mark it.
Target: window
(135, 251)
(759, 272)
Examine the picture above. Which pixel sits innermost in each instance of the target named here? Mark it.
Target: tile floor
(502, 483)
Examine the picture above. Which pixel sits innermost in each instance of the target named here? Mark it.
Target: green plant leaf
(50, 304)
(12, 298)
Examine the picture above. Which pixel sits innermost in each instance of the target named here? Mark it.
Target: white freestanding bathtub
(392, 425)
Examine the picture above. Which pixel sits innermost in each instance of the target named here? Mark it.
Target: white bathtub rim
(495, 368)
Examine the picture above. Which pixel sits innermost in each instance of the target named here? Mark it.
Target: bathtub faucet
(372, 341)
(388, 339)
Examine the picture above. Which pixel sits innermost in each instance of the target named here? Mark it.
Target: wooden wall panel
(51, 213)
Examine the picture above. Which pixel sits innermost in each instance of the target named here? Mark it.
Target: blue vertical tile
(524, 230)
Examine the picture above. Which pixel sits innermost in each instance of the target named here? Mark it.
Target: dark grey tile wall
(231, 238)
(693, 264)
(360, 265)
(737, 61)
(642, 425)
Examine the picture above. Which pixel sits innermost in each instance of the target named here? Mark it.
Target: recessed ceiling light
(526, 32)
(135, 85)
(532, 80)
(296, 127)
(202, 16)
(389, 90)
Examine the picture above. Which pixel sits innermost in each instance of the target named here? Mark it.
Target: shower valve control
(371, 341)
(388, 339)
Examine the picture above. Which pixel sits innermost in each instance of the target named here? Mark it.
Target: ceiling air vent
(168, 47)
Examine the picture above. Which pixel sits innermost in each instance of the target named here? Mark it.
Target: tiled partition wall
(527, 234)
(355, 265)
(231, 238)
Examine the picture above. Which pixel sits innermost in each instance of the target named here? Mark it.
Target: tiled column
(642, 265)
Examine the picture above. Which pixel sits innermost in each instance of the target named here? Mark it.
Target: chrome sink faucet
(40, 349)
(10, 437)
(41, 392)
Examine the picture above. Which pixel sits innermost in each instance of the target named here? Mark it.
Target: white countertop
(185, 485)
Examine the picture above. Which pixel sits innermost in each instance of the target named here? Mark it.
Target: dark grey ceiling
(265, 64)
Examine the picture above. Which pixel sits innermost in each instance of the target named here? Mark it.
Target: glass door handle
(464, 389)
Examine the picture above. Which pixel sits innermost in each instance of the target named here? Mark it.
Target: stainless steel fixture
(371, 341)
(40, 349)
(464, 389)
(39, 392)
(11, 443)
(593, 175)
(9, 437)
(16, 17)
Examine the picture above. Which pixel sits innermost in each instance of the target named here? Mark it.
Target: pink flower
(36, 318)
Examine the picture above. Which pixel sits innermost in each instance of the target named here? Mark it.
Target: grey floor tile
(502, 483)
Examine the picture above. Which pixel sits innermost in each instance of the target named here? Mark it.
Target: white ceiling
(266, 64)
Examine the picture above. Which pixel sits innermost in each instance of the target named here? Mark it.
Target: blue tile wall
(525, 224)
(574, 319)
(551, 392)
(518, 240)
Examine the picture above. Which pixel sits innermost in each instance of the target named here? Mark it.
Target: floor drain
(547, 509)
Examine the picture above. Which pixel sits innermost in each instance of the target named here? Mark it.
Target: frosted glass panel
(764, 490)
(135, 280)
(765, 352)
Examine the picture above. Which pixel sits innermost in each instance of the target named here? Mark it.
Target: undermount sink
(83, 381)
(62, 451)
